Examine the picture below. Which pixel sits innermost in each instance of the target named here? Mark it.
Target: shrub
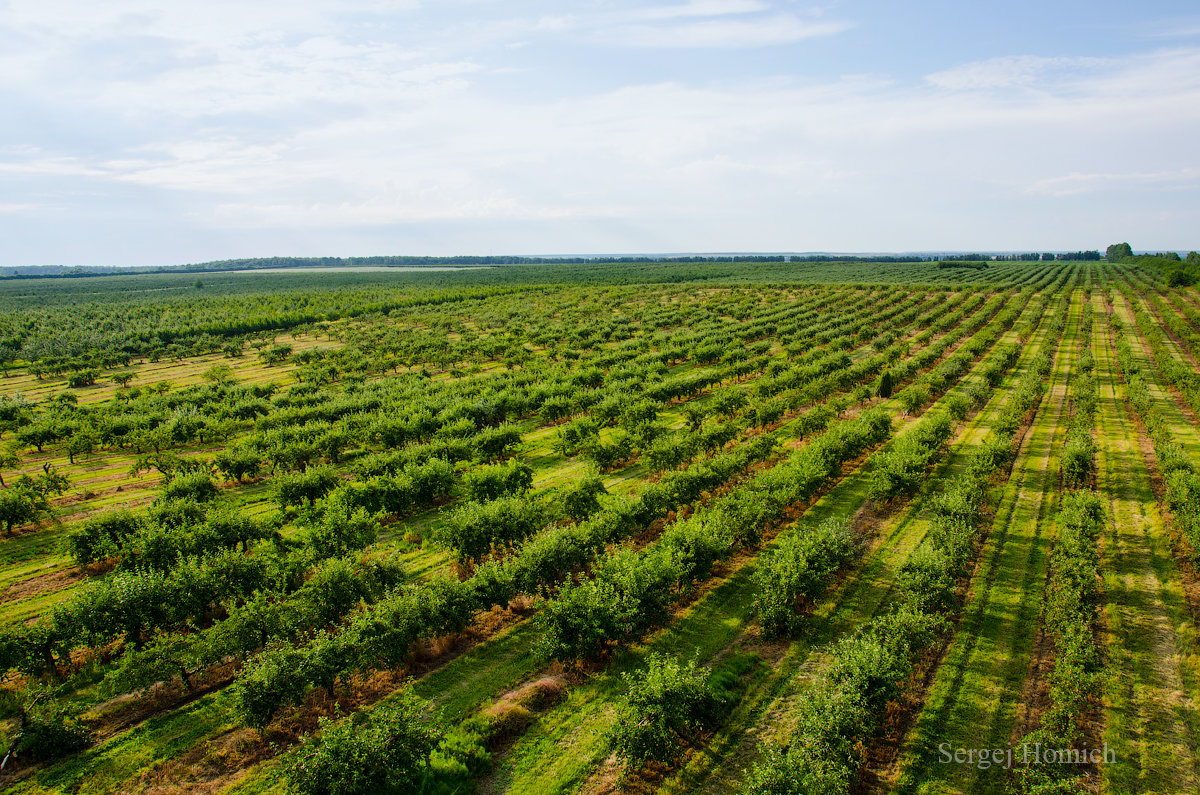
(474, 527)
(798, 569)
(196, 486)
(50, 731)
(582, 499)
(384, 750)
(498, 480)
(667, 705)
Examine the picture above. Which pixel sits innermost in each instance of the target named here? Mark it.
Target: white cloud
(701, 8)
(725, 33)
(315, 121)
(673, 150)
(1076, 183)
(37, 165)
(1008, 72)
(213, 21)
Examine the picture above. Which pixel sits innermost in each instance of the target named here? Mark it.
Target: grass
(113, 764)
(468, 682)
(860, 596)
(1150, 718)
(974, 699)
(1182, 430)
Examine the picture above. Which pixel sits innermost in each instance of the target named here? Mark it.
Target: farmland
(727, 526)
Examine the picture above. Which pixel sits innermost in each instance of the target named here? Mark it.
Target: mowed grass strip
(110, 766)
(973, 700)
(1150, 682)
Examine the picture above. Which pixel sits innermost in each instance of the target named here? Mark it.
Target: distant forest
(261, 263)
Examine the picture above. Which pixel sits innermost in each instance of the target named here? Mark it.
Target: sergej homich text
(1024, 755)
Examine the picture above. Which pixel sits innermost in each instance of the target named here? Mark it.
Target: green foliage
(270, 683)
(383, 750)
(197, 486)
(581, 499)
(381, 422)
(1118, 252)
(498, 480)
(797, 569)
(296, 488)
(102, 536)
(606, 455)
(474, 528)
(914, 398)
(665, 708)
(48, 730)
(927, 580)
(900, 470)
(838, 711)
(886, 384)
(492, 444)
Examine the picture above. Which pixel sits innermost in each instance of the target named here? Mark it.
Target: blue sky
(138, 133)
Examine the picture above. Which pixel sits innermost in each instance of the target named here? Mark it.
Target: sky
(155, 133)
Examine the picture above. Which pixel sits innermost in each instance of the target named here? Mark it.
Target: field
(744, 526)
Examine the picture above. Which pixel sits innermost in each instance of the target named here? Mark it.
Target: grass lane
(973, 701)
(1182, 430)
(1150, 714)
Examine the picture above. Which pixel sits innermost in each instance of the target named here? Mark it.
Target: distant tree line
(262, 263)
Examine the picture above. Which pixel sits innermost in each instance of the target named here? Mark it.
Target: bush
(309, 486)
(269, 683)
(384, 750)
(958, 405)
(473, 528)
(498, 480)
(582, 499)
(667, 705)
(102, 536)
(492, 444)
(49, 731)
(81, 379)
(887, 383)
(196, 486)
(927, 580)
(1078, 459)
(607, 455)
(798, 569)
(900, 470)
(914, 398)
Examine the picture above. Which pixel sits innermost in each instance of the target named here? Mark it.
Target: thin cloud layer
(372, 127)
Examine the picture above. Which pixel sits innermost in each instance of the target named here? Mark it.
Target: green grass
(1151, 681)
(974, 700)
(860, 595)
(1182, 429)
(568, 747)
(113, 764)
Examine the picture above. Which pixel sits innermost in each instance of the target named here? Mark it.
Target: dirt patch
(1035, 691)
(42, 583)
